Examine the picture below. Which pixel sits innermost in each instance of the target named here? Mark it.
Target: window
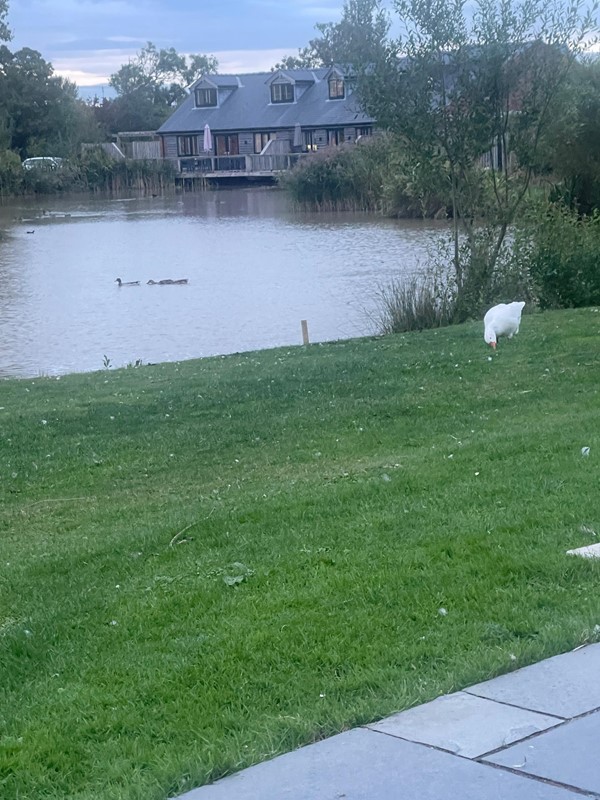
(227, 144)
(337, 90)
(366, 131)
(335, 136)
(206, 98)
(261, 139)
(187, 145)
(309, 143)
(282, 93)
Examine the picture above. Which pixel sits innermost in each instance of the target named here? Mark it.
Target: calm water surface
(255, 267)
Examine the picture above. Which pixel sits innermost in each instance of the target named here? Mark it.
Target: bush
(99, 172)
(414, 304)
(370, 176)
(560, 251)
(11, 173)
(337, 178)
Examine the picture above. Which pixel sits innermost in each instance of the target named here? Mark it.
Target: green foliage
(572, 147)
(11, 173)
(5, 33)
(151, 85)
(94, 171)
(357, 39)
(40, 114)
(414, 304)
(99, 172)
(372, 176)
(344, 177)
(207, 563)
(466, 82)
(559, 250)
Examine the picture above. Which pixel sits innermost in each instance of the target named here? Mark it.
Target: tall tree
(152, 84)
(473, 81)
(5, 33)
(571, 148)
(357, 39)
(40, 113)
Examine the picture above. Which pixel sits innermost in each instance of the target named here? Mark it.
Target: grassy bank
(207, 563)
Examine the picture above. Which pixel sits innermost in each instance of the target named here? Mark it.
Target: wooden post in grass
(304, 324)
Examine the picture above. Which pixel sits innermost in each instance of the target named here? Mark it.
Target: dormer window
(206, 98)
(337, 90)
(282, 92)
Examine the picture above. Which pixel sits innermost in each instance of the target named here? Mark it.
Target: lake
(256, 267)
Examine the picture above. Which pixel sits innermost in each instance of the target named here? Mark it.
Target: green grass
(207, 563)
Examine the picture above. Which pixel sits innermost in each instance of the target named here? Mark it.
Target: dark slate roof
(247, 105)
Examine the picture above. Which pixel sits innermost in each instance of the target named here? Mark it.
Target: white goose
(502, 320)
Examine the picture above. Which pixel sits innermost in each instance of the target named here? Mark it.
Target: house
(261, 123)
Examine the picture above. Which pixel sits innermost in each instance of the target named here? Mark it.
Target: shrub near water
(414, 304)
(560, 252)
(207, 563)
(345, 177)
(94, 171)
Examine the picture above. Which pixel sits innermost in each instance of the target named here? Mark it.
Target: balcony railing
(244, 165)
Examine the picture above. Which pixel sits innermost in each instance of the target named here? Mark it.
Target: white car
(42, 162)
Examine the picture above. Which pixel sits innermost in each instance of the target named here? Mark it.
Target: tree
(357, 39)
(152, 84)
(468, 82)
(305, 59)
(572, 144)
(40, 113)
(5, 34)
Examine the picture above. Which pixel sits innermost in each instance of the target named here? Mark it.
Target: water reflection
(255, 268)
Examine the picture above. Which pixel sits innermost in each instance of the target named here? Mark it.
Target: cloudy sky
(88, 40)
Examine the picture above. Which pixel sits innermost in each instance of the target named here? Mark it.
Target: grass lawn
(207, 563)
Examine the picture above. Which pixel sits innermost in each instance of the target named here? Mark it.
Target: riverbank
(209, 562)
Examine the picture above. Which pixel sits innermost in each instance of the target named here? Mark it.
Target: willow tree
(470, 89)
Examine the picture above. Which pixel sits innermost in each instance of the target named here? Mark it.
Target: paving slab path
(533, 734)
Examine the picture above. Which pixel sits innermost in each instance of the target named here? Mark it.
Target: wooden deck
(252, 166)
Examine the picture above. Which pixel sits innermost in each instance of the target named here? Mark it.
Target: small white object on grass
(589, 551)
(442, 612)
(585, 451)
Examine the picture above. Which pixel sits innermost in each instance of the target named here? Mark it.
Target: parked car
(43, 162)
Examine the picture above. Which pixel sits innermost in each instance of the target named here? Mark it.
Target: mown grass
(207, 563)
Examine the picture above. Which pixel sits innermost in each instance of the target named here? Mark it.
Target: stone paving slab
(465, 724)
(566, 685)
(365, 765)
(569, 754)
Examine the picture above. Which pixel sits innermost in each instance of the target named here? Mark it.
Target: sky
(88, 40)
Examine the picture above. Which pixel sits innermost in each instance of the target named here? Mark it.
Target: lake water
(255, 267)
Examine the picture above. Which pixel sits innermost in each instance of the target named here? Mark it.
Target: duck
(168, 282)
(126, 283)
(502, 320)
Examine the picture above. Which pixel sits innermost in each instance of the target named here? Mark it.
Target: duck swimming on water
(168, 282)
(127, 283)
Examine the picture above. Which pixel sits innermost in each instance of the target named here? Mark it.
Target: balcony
(253, 166)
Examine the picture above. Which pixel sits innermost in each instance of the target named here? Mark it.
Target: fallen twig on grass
(187, 527)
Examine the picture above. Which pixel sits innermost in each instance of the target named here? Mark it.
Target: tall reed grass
(347, 177)
(415, 303)
(94, 171)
